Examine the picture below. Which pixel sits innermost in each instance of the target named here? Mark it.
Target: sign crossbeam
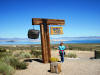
(38, 21)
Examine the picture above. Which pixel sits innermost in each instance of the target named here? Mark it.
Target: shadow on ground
(92, 58)
(38, 60)
(30, 60)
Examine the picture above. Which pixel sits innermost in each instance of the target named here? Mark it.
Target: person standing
(61, 51)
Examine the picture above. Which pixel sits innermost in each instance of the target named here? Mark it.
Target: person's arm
(64, 47)
(58, 48)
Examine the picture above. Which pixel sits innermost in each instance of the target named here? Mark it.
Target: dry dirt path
(82, 66)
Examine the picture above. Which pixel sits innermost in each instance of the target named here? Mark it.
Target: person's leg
(62, 57)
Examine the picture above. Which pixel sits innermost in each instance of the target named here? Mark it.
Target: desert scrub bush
(14, 62)
(17, 55)
(22, 55)
(6, 69)
(71, 55)
(2, 50)
(36, 54)
(3, 54)
(53, 59)
(25, 55)
(40, 56)
(17, 64)
(6, 59)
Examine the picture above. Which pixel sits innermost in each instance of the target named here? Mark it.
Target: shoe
(62, 61)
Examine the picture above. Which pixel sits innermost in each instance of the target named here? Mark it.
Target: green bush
(6, 69)
(22, 55)
(26, 55)
(2, 50)
(71, 55)
(3, 54)
(17, 64)
(40, 56)
(21, 65)
(14, 62)
(6, 59)
(36, 54)
(17, 55)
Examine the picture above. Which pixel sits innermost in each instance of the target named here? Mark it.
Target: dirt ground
(84, 64)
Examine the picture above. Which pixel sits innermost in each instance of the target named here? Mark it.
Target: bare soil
(84, 65)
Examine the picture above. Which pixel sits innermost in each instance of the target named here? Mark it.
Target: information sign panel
(56, 30)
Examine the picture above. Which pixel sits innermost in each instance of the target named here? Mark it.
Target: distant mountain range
(52, 39)
(81, 38)
(13, 39)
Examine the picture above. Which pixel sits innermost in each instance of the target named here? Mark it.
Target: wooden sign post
(45, 39)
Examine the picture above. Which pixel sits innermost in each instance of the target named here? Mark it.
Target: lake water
(56, 42)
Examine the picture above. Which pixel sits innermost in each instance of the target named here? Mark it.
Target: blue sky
(82, 17)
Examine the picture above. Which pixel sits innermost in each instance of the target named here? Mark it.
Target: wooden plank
(48, 44)
(38, 21)
(46, 50)
(44, 56)
(43, 19)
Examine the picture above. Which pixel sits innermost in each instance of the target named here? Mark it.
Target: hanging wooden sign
(56, 30)
(33, 34)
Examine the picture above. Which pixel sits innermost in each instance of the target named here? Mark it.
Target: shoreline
(50, 44)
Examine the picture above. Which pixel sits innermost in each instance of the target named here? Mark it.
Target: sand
(82, 65)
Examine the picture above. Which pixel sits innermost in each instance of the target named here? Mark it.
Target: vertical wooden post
(46, 47)
(45, 43)
(48, 44)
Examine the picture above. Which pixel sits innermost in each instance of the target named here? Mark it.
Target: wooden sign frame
(45, 38)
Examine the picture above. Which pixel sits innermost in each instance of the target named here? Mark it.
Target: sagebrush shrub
(71, 55)
(6, 69)
(36, 54)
